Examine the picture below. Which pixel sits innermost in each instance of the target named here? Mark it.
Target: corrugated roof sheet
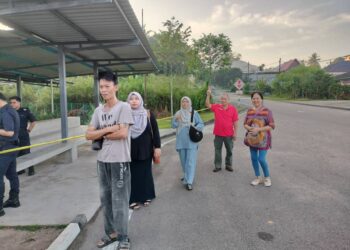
(103, 31)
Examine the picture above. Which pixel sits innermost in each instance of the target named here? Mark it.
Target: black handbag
(97, 144)
(195, 134)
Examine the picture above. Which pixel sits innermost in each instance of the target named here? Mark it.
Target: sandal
(147, 203)
(134, 206)
(105, 241)
(124, 245)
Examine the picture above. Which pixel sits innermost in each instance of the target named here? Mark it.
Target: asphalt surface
(307, 207)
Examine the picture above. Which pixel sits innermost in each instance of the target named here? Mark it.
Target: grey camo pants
(115, 186)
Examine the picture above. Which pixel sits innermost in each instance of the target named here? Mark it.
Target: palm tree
(314, 60)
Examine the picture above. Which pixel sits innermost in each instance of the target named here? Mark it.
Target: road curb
(66, 238)
(320, 106)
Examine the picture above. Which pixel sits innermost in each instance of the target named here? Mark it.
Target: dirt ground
(11, 239)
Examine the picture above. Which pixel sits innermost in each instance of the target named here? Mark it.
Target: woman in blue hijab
(186, 148)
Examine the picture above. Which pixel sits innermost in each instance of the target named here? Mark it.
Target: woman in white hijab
(186, 148)
(145, 143)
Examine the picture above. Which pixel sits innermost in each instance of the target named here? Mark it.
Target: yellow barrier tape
(41, 144)
(169, 117)
(65, 139)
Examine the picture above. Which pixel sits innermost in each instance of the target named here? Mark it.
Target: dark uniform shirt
(25, 116)
(9, 121)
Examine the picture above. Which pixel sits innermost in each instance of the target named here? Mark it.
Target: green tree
(261, 67)
(226, 77)
(336, 90)
(171, 47)
(214, 51)
(303, 82)
(314, 60)
(262, 86)
(246, 89)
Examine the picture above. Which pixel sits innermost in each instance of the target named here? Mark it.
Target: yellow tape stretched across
(169, 117)
(64, 139)
(41, 144)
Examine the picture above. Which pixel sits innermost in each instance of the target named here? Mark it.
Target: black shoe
(21, 172)
(189, 187)
(229, 168)
(12, 203)
(2, 212)
(216, 170)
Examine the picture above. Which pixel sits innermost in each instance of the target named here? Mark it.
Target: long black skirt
(142, 185)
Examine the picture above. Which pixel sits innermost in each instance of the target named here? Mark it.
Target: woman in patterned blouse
(259, 123)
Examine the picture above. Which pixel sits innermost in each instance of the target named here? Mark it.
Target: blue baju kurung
(186, 148)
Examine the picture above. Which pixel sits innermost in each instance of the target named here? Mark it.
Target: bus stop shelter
(41, 41)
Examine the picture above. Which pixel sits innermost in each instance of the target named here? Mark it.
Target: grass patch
(33, 228)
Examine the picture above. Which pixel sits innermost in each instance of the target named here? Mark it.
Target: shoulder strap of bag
(192, 116)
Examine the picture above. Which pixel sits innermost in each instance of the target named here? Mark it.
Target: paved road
(307, 207)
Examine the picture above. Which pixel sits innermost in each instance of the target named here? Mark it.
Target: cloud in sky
(263, 31)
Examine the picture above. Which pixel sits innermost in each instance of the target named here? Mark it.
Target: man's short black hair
(17, 98)
(2, 97)
(108, 76)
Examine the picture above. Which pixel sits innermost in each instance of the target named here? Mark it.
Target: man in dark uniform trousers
(25, 117)
(9, 130)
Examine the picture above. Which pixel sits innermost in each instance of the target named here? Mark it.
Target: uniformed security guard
(25, 117)
(9, 130)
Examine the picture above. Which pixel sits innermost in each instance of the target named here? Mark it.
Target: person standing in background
(27, 123)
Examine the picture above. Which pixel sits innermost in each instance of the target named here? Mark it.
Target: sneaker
(12, 203)
(216, 170)
(2, 212)
(256, 181)
(189, 187)
(267, 182)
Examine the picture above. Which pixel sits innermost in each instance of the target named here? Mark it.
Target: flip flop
(147, 203)
(134, 206)
(105, 241)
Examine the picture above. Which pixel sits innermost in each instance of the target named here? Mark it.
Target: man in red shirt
(225, 129)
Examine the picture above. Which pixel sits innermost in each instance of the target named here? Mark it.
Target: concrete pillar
(63, 91)
(19, 87)
(96, 88)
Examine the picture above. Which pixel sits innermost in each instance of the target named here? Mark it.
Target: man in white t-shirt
(111, 122)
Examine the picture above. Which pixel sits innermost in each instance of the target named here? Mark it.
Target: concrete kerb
(320, 106)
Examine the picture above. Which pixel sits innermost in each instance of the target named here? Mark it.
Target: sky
(262, 31)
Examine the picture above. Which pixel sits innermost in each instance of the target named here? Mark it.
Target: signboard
(239, 84)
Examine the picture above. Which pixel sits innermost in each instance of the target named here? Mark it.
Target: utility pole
(279, 65)
(145, 89)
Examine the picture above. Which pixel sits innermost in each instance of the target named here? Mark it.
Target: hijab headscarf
(140, 117)
(185, 114)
